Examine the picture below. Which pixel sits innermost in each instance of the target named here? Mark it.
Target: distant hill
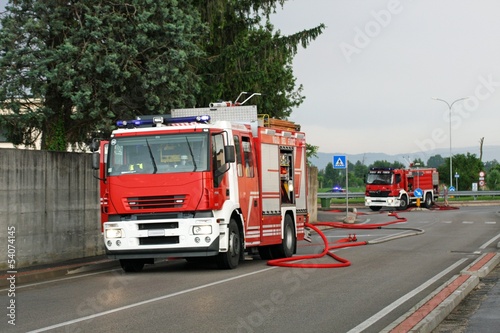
(490, 153)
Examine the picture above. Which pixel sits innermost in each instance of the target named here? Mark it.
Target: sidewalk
(487, 317)
(480, 310)
(428, 314)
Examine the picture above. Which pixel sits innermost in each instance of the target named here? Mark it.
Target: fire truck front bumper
(161, 238)
(382, 202)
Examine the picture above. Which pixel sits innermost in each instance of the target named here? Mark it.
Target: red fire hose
(350, 241)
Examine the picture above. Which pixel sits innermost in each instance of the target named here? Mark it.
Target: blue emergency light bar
(134, 123)
(161, 120)
(190, 119)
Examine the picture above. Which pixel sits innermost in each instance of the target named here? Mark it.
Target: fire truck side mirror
(229, 154)
(95, 160)
(94, 146)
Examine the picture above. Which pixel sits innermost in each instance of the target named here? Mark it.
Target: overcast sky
(369, 79)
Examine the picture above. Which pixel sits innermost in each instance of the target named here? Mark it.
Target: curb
(483, 265)
(432, 310)
(40, 274)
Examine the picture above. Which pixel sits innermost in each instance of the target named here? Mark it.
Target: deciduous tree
(467, 166)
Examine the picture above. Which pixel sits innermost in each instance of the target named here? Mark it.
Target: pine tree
(69, 68)
(244, 53)
(72, 68)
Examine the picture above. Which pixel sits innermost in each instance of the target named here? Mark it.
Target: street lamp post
(450, 106)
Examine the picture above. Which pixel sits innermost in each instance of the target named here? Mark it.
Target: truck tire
(231, 258)
(428, 201)
(403, 203)
(287, 246)
(132, 265)
(375, 208)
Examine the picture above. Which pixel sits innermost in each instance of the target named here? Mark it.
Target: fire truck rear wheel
(231, 258)
(428, 201)
(132, 265)
(287, 246)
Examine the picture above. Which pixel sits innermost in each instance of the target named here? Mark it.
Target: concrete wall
(52, 200)
(312, 198)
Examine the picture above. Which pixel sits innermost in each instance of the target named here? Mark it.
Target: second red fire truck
(203, 183)
(399, 188)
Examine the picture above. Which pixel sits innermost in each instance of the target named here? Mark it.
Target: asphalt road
(383, 282)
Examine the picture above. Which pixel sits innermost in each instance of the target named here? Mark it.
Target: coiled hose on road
(350, 241)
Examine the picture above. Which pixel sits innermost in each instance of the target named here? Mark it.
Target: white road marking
(64, 279)
(485, 245)
(382, 313)
(133, 305)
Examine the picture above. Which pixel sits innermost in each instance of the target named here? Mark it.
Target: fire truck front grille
(379, 194)
(155, 226)
(159, 240)
(156, 202)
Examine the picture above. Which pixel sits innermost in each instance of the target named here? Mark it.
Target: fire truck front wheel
(132, 265)
(231, 258)
(403, 203)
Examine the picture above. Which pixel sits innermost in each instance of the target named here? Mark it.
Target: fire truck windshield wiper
(155, 168)
(191, 153)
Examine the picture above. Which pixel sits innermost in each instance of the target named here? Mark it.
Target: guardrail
(341, 195)
(325, 197)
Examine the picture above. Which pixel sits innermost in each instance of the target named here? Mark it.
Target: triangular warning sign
(339, 163)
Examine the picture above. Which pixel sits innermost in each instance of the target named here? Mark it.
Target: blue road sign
(452, 188)
(418, 193)
(339, 162)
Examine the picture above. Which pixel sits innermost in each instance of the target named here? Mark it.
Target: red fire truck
(398, 188)
(202, 183)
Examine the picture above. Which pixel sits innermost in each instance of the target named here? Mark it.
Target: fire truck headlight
(202, 230)
(114, 233)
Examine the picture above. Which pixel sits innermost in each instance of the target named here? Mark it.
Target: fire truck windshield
(167, 153)
(379, 179)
